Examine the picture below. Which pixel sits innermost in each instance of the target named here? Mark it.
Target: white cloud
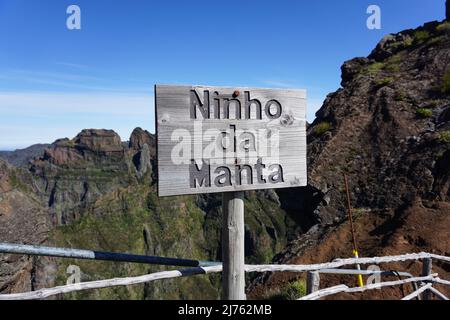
(86, 103)
(72, 65)
(280, 83)
(28, 118)
(70, 80)
(20, 137)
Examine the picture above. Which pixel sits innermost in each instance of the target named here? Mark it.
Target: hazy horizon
(122, 137)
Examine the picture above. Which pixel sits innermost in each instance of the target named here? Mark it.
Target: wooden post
(426, 271)
(312, 282)
(233, 254)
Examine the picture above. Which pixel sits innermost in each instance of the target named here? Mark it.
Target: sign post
(233, 246)
(230, 140)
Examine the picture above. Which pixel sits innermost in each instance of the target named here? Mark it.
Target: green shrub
(436, 40)
(446, 82)
(321, 128)
(425, 113)
(393, 68)
(403, 44)
(444, 27)
(293, 291)
(440, 154)
(445, 137)
(384, 82)
(433, 104)
(374, 68)
(393, 63)
(400, 96)
(421, 36)
(66, 143)
(358, 212)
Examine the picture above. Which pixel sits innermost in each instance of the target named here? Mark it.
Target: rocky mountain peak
(99, 140)
(89, 145)
(393, 109)
(139, 137)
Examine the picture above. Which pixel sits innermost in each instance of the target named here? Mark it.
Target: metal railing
(100, 255)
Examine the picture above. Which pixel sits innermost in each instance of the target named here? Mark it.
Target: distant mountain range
(22, 157)
(96, 192)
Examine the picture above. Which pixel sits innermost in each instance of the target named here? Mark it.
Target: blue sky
(55, 82)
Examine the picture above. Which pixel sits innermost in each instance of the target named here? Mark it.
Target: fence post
(312, 282)
(427, 265)
(233, 250)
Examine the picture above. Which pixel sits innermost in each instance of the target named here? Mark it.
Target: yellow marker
(359, 276)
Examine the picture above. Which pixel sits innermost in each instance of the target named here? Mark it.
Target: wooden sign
(216, 139)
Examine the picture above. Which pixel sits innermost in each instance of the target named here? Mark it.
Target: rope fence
(426, 282)
(345, 289)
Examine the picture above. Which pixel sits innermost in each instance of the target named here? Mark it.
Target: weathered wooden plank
(312, 282)
(233, 247)
(263, 130)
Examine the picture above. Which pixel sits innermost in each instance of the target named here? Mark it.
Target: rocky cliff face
(388, 129)
(74, 173)
(96, 192)
(387, 126)
(22, 219)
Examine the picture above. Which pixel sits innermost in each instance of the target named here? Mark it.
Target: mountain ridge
(387, 129)
(21, 157)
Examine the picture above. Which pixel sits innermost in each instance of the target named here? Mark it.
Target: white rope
(343, 262)
(417, 292)
(344, 289)
(45, 293)
(325, 292)
(440, 281)
(392, 283)
(439, 294)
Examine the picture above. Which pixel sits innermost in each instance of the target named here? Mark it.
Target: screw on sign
(230, 140)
